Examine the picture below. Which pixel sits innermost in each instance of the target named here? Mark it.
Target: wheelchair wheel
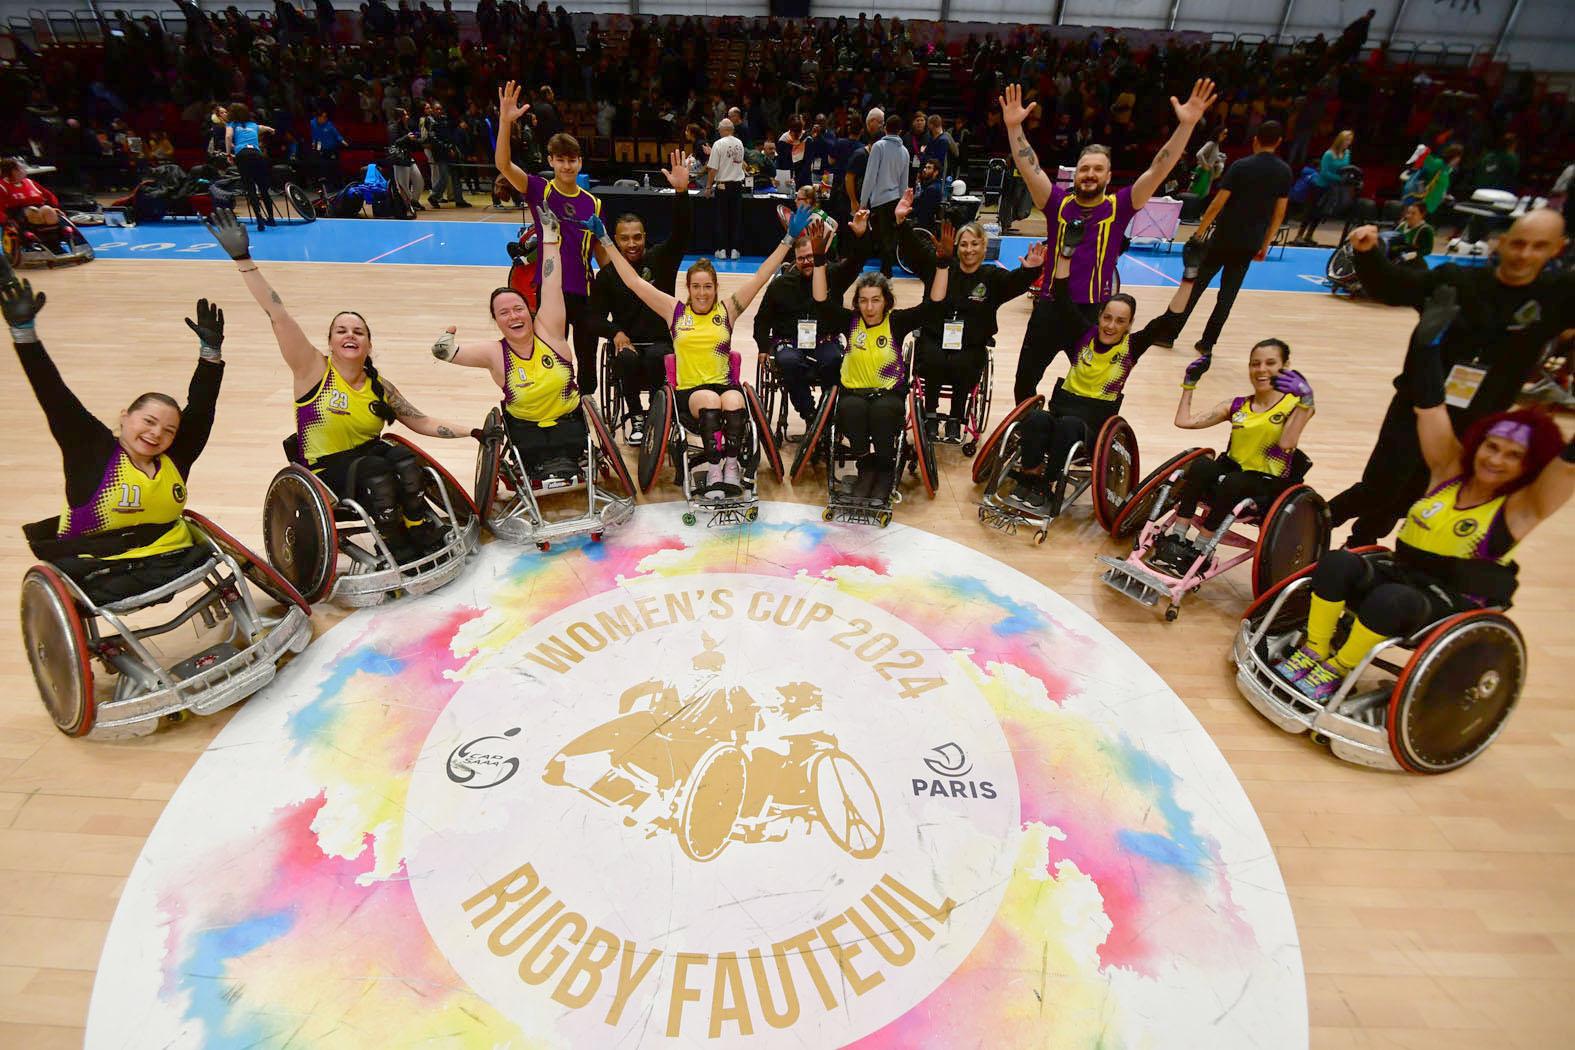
(925, 238)
(301, 201)
(712, 803)
(464, 506)
(489, 457)
(1341, 268)
(815, 435)
(766, 384)
(979, 407)
(257, 571)
(57, 649)
(1115, 470)
(923, 449)
(1456, 692)
(763, 436)
(989, 451)
(612, 464)
(1141, 506)
(607, 388)
(299, 534)
(1294, 534)
(846, 802)
(659, 423)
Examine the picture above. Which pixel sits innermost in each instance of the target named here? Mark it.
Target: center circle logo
(708, 807)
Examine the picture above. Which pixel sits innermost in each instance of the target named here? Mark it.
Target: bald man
(725, 180)
(1507, 314)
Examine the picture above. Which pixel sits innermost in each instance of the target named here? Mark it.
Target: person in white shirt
(725, 181)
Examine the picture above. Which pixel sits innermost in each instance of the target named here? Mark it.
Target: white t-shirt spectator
(727, 160)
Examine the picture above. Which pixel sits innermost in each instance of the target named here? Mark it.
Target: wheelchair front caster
(596, 537)
(884, 519)
(969, 448)
(981, 513)
(752, 513)
(689, 517)
(1041, 536)
(544, 545)
(826, 515)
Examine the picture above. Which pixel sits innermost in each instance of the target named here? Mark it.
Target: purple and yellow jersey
(1437, 524)
(1092, 277)
(538, 387)
(1255, 436)
(873, 360)
(1099, 373)
(702, 346)
(126, 497)
(335, 417)
(577, 208)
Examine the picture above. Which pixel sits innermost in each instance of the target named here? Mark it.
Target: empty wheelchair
(27, 245)
(523, 507)
(329, 547)
(1427, 703)
(74, 642)
(1288, 535)
(672, 436)
(1107, 465)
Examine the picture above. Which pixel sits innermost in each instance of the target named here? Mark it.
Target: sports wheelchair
(976, 412)
(1291, 533)
(1108, 466)
(772, 388)
(671, 433)
(306, 528)
(27, 245)
(1427, 703)
(509, 498)
(609, 391)
(915, 454)
(65, 631)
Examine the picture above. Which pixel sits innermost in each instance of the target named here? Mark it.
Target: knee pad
(1394, 609)
(412, 478)
(735, 426)
(1339, 574)
(711, 432)
(376, 490)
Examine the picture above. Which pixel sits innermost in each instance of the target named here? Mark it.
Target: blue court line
(385, 242)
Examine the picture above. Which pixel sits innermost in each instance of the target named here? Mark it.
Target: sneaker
(1030, 495)
(720, 253)
(559, 468)
(730, 477)
(1321, 681)
(434, 203)
(713, 479)
(1172, 554)
(1295, 667)
(636, 436)
(881, 486)
(932, 427)
(735, 254)
(864, 484)
(418, 206)
(463, 203)
(954, 431)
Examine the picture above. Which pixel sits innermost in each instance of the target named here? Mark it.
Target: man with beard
(1104, 216)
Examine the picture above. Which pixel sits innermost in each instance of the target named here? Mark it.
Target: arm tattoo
(445, 432)
(401, 405)
(275, 297)
(738, 311)
(547, 268)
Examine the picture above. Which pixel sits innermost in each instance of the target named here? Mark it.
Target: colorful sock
(1357, 645)
(1321, 621)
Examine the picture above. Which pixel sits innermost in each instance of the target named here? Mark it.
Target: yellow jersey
(1255, 436)
(538, 387)
(1437, 524)
(335, 417)
(127, 497)
(873, 360)
(1100, 373)
(703, 346)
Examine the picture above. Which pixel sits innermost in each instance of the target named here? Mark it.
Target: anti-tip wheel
(596, 537)
(689, 517)
(826, 515)
(885, 519)
(1171, 614)
(544, 545)
(752, 513)
(1041, 536)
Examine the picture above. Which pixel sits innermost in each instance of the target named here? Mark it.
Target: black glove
(1424, 364)
(1195, 371)
(20, 306)
(1191, 258)
(495, 432)
(230, 234)
(7, 275)
(1071, 237)
(209, 327)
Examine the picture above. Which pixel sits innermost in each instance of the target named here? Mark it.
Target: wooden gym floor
(1434, 913)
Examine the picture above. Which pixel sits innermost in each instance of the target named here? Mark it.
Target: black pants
(640, 369)
(537, 445)
(883, 226)
(107, 580)
(253, 169)
(960, 369)
(1048, 434)
(870, 420)
(730, 199)
(577, 310)
(1231, 265)
(1384, 596)
(1042, 340)
(1224, 484)
(384, 477)
(802, 370)
(1395, 477)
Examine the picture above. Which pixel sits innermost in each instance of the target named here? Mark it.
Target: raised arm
(677, 242)
(915, 249)
(1184, 417)
(74, 428)
(471, 355)
(739, 301)
(552, 317)
(854, 253)
(1021, 279)
(1543, 497)
(659, 301)
(1424, 378)
(1386, 282)
(1291, 381)
(202, 394)
(510, 109)
(1188, 114)
(1013, 113)
(304, 359)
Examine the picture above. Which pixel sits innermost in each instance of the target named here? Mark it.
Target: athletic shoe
(932, 427)
(713, 479)
(1295, 667)
(864, 483)
(1321, 681)
(434, 203)
(730, 477)
(463, 203)
(954, 430)
(636, 436)
(881, 487)
(1172, 554)
(1030, 496)
(735, 254)
(720, 253)
(418, 206)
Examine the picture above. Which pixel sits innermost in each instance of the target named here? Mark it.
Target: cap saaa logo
(950, 761)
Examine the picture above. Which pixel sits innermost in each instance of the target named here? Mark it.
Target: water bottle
(647, 180)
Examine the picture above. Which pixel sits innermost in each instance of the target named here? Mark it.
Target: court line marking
(407, 244)
(1129, 257)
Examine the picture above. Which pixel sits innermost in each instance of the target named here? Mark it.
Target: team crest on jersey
(178, 491)
(880, 342)
(979, 293)
(716, 319)
(645, 273)
(547, 361)
(1530, 313)
(1465, 527)
(1277, 418)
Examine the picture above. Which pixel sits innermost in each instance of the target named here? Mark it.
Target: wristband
(23, 333)
(820, 258)
(252, 270)
(788, 239)
(210, 353)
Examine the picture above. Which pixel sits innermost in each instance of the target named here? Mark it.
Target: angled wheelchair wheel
(923, 449)
(1143, 504)
(464, 506)
(816, 435)
(1293, 535)
(979, 407)
(713, 801)
(256, 570)
(1115, 470)
(1455, 695)
(489, 458)
(766, 386)
(299, 534)
(989, 450)
(607, 391)
(659, 424)
(1341, 268)
(762, 420)
(847, 804)
(301, 201)
(925, 238)
(57, 648)
(612, 464)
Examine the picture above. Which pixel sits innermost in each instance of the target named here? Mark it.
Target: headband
(1510, 430)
